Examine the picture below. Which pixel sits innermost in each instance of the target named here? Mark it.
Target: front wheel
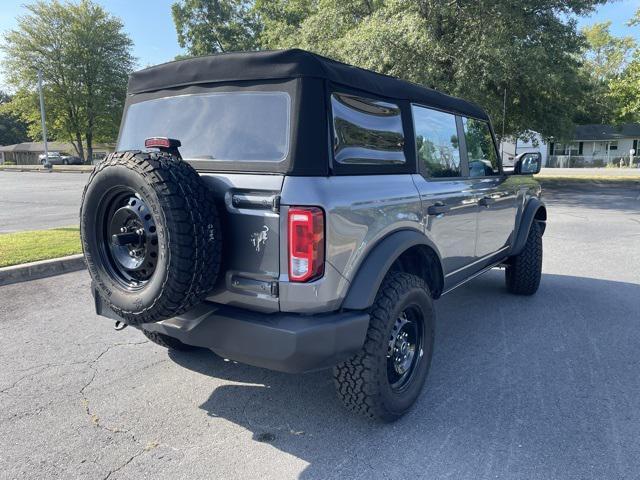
(386, 377)
(524, 271)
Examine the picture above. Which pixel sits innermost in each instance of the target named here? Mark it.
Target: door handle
(486, 201)
(438, 209)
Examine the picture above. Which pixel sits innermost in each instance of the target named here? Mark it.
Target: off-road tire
(361, 381)
(523, 271)
(168, 342)
(188, 235)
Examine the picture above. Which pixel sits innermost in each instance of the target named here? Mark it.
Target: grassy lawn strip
(24, 247)
(590, 180)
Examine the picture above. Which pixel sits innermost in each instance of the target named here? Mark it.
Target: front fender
(375, 266)
(534, 208)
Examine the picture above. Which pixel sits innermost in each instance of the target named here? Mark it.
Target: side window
(366, 131)
(483, 158)
(437, 146)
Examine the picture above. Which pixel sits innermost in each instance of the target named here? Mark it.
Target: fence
(581, 161)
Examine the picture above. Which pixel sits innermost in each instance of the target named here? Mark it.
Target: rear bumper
(284, 342)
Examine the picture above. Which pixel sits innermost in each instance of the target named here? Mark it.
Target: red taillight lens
(306, 243)
(157, 142)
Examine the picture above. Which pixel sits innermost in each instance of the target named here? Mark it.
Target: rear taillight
(306, 243)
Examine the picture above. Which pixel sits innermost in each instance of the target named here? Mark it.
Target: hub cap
(405, 348)
(129, 239)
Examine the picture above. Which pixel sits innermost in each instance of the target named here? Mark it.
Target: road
(33, 201)
(545, 387)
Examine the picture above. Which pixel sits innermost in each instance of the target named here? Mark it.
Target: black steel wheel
(150, 235)
(405, 349)
(385, 378)
(129, 239)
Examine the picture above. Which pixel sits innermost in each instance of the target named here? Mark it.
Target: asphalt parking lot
(545, 387)
(33, 201)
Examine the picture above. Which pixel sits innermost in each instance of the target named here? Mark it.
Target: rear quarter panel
(359, 212)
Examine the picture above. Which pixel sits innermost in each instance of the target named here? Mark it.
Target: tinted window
(366, 131)
(229, 126)
(483, 158)
(437, 142)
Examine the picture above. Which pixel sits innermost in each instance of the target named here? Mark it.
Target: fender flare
(529, 213)
(376, 264)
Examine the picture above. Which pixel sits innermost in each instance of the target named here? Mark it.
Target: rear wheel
(524, 271)
(167, 342)
(386, 377)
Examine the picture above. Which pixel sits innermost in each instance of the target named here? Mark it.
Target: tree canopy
(85, 58)
(12, 129)
(475, 50)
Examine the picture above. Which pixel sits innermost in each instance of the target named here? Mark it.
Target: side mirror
(528, 163)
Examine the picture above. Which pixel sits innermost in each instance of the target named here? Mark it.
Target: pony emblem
(259, 239)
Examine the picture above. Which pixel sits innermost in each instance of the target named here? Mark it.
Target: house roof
(38, 147)
(606, 132)
(289, 64)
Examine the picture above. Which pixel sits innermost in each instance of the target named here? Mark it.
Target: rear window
(224, 126)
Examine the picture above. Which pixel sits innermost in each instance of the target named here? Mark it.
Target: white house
(597, 146)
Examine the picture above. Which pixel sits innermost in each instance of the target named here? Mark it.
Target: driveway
(545, 387)
(33, 201)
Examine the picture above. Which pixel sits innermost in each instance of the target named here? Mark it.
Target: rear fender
(377, 264)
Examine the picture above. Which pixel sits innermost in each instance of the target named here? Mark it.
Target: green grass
(23, 247)
(587, 179)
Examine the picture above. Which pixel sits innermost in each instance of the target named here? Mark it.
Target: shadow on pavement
(609, 195)
(520, 387)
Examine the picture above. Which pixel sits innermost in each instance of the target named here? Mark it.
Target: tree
(606, 55)
(625, 93)
(624, 90)
(475, 50)
(212, 26)
(12, 129)
(85, 58)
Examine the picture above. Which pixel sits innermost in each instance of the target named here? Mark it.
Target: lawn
(23, 247)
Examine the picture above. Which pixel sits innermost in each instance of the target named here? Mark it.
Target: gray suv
(295, 213)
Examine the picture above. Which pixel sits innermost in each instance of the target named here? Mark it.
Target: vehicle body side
(377, 217)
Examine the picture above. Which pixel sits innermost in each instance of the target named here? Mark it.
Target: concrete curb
(54, 169)
(41, 269)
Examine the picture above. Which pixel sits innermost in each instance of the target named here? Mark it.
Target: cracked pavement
(531, 388)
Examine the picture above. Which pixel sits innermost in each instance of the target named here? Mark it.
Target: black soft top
(284, 64)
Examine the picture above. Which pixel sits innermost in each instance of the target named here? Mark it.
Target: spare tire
(150, 235)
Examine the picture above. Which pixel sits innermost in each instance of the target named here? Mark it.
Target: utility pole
(44, 123)
(504, 117)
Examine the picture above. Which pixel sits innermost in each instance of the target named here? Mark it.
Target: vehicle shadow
(520, 387)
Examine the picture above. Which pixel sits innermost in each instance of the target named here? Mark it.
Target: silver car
(55, 158)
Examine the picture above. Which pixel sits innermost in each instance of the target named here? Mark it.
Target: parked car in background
(55, 158)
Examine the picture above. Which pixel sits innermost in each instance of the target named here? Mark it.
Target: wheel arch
(534, 211)
(406, 251)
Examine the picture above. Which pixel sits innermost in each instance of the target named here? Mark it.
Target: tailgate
(248, 207)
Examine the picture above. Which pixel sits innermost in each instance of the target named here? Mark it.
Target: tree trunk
(89, 139)
(79, 146)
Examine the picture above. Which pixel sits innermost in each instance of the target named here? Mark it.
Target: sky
(150, 26)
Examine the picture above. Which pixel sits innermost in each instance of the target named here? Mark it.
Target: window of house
(613, 146)
(366, 131)
(437, 145)
(481, 151)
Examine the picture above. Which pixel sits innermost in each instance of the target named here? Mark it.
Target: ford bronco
(295, 213)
